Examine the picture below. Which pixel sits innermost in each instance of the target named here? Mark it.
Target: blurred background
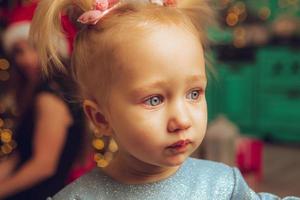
(253, 94)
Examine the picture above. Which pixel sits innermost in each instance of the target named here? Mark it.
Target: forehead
(171, 48)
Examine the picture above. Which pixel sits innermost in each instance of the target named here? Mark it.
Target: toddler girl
(141, 68)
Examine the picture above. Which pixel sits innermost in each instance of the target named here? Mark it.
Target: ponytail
(46, 31)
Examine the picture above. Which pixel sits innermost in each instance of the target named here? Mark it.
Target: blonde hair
(95, 55)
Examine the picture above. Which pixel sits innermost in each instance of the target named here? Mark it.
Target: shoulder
(48, 103)
(86, 186)
(51, 90)
(47, 99)
(209, 178)
(223, 182)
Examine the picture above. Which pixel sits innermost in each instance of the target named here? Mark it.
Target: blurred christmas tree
(7, 108)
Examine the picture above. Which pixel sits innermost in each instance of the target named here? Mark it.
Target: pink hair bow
(102, 7)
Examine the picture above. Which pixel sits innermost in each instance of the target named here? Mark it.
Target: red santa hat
(19, 20)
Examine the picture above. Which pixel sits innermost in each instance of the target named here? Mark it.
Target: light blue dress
(195, 179)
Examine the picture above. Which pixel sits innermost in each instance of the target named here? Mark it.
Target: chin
(175, 160)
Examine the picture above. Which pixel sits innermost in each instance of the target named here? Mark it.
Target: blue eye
(154, 101)
(193, 95)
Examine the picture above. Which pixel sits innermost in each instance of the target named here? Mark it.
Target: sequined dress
(195, 179)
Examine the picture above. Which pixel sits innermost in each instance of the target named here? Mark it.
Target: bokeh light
(4, 64)
(232, 19)
(264, 13)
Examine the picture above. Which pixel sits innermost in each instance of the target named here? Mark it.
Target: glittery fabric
(196, 179)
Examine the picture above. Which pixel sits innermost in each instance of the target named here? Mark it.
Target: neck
(130, 170)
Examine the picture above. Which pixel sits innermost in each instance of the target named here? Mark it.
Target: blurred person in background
(50, 129)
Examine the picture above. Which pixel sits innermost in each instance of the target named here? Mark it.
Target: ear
(97, 117)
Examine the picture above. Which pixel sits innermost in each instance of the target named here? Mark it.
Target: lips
(180, 143)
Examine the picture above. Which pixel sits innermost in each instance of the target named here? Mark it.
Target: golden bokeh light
(6, 148)
(6, 136)
(264, 13)
(232, 19)
(4, 64)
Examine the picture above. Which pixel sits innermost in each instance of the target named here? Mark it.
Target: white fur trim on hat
(20, 31)
(15, 32)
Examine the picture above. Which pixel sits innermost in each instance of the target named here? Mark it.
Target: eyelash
(161, 99)
(148, 100)
(198, 94)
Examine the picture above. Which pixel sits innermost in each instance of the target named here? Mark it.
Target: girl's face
(157, 107)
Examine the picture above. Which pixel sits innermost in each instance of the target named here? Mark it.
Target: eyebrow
(157, 84)
(146, 87)
(196, 78)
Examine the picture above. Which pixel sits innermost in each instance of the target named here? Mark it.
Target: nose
(179, 119)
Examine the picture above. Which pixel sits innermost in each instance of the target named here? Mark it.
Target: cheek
(200, 118)
(139, 142)
(136, 127)
(199, 111)
(139, 127)
(136, 119)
